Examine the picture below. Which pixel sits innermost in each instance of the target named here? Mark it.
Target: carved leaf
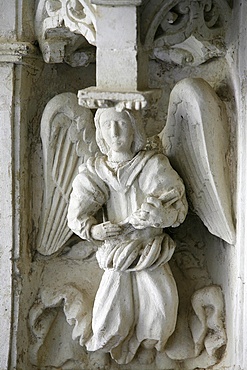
(64, 126)
(196, 141)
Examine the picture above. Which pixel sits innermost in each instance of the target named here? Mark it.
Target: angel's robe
(137, 298)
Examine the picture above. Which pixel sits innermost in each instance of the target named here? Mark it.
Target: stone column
(237, 61)
(121, 61)
(119, 65)
(7, 211)
(13, 166)
(7, 179)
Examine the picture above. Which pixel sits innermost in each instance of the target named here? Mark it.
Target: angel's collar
(121, 177)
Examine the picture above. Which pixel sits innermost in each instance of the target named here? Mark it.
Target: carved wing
(196, 140)
(68, 139)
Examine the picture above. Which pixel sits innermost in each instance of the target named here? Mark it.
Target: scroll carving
(185, 32)
(128, 291)
(64, 28)
(180, 32)
(77, 15)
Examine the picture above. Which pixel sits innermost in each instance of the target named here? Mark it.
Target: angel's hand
(153, 213)
(105, 230)
(145, 216)
(139, 219)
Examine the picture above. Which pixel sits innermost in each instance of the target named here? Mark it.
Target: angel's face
(118, 133)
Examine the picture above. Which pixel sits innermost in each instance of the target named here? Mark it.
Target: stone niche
(128, 267)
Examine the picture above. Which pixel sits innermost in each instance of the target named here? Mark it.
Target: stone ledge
(94, 98)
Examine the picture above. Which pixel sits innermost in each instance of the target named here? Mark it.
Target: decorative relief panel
(114, 282)
(131, 202)
(181, 32)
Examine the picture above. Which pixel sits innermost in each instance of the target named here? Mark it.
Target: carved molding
(14, 52)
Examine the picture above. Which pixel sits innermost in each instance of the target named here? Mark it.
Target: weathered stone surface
(46, 301)
(7, 213)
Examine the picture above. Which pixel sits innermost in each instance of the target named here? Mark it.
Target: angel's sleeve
(89, 194)
(160, 180)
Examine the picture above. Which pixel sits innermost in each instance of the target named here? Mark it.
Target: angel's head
(118, 132)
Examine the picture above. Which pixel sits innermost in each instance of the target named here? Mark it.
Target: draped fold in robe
(137, 297)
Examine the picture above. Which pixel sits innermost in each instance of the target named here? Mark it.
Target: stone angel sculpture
(137, 298)
(123, 202)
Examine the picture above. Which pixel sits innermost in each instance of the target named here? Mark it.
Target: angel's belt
(139, 250)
